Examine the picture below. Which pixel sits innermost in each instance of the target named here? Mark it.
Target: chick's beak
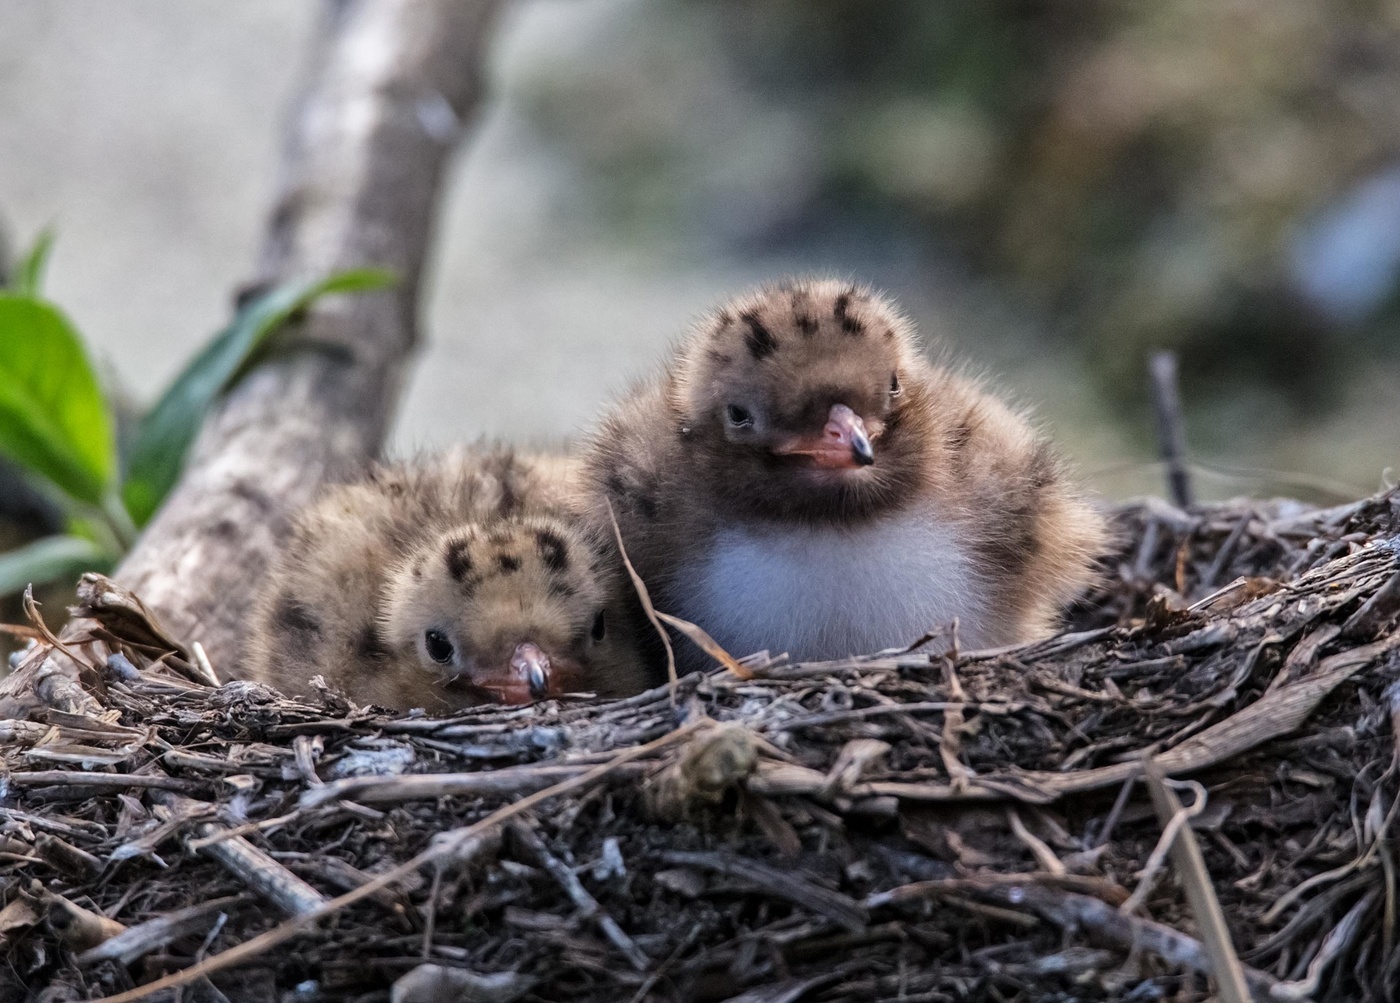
(842, 445)
(530, 665)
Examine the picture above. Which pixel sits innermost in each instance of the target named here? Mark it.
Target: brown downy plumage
(800, 478)
(446, 583)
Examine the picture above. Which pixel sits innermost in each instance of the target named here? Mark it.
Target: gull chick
(447, 583)
(799, 478)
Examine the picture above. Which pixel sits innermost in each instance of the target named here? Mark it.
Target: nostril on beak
(845, 427)
(531, 663)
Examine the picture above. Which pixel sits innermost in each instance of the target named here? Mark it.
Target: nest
(979, 825)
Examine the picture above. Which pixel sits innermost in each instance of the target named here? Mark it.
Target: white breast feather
(826, 593)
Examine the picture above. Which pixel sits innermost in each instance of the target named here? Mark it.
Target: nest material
(900, 827)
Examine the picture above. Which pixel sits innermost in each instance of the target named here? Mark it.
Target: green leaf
(53, 418)
(29, 274)
(166, 432)
(51, 559)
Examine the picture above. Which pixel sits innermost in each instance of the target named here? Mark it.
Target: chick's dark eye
(737, 416)
(600, 626)
(439, 647)
(894, 385)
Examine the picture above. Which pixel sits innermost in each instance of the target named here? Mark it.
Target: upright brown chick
(800, 478)
(446, 583)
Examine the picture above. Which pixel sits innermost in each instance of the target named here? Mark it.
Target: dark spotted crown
(795, 349)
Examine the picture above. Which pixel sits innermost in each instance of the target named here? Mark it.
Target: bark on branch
(393, 86)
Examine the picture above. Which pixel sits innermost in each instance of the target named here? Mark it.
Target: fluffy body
(965, 512)
(481, 547)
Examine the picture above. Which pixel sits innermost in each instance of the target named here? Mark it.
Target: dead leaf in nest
(713, 762)
(707, 644)
(19, 915)
(437, 984)
(681, 881)
(1166, 611)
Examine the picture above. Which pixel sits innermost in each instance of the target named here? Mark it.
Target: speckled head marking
(767, 378)
(516, 611)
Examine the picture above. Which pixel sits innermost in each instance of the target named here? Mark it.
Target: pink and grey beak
(530, 675)
(844, 443)
(530, 665)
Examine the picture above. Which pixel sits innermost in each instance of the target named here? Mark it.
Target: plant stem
(118, 520)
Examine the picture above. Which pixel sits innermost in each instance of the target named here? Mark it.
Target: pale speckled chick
(446, 583)
(800, 478)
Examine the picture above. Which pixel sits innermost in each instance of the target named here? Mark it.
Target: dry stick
(249, 864)
(447, 845)
(838, 908)
(1103, 923)
(428, 786)
(645, 598)
(708, 645)
(1158, 856)
(202, 663)
(587, 905)
(1200, 895)
(1337, 873)
(1171, 426)
(1226, 551)
(146, 937)
(1044, 856)
(106, 781)
(660, 970)
(393, 86)
(241, 830)
(1376, 612)
(1278, 712)
(1338, 939)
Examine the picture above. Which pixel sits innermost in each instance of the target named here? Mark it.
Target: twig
(107, 781)
(201, 661)
(1044, 856)
(707, 644)
(1148, 880)
(80, 928)
(1226, 551)
(511, 781)
(645, 598)
(950, 741)
(1171, 426)
(1336, 941)
(242, 830)
(1105, 924)
(1116, 812)
(660, 970)
(450, 844)
(587, 905)
(146, 937)
(249, 864)
(838, 908)
(1205, 907)
(1376, 612)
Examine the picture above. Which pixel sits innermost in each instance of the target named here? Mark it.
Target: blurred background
(1053, 189)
